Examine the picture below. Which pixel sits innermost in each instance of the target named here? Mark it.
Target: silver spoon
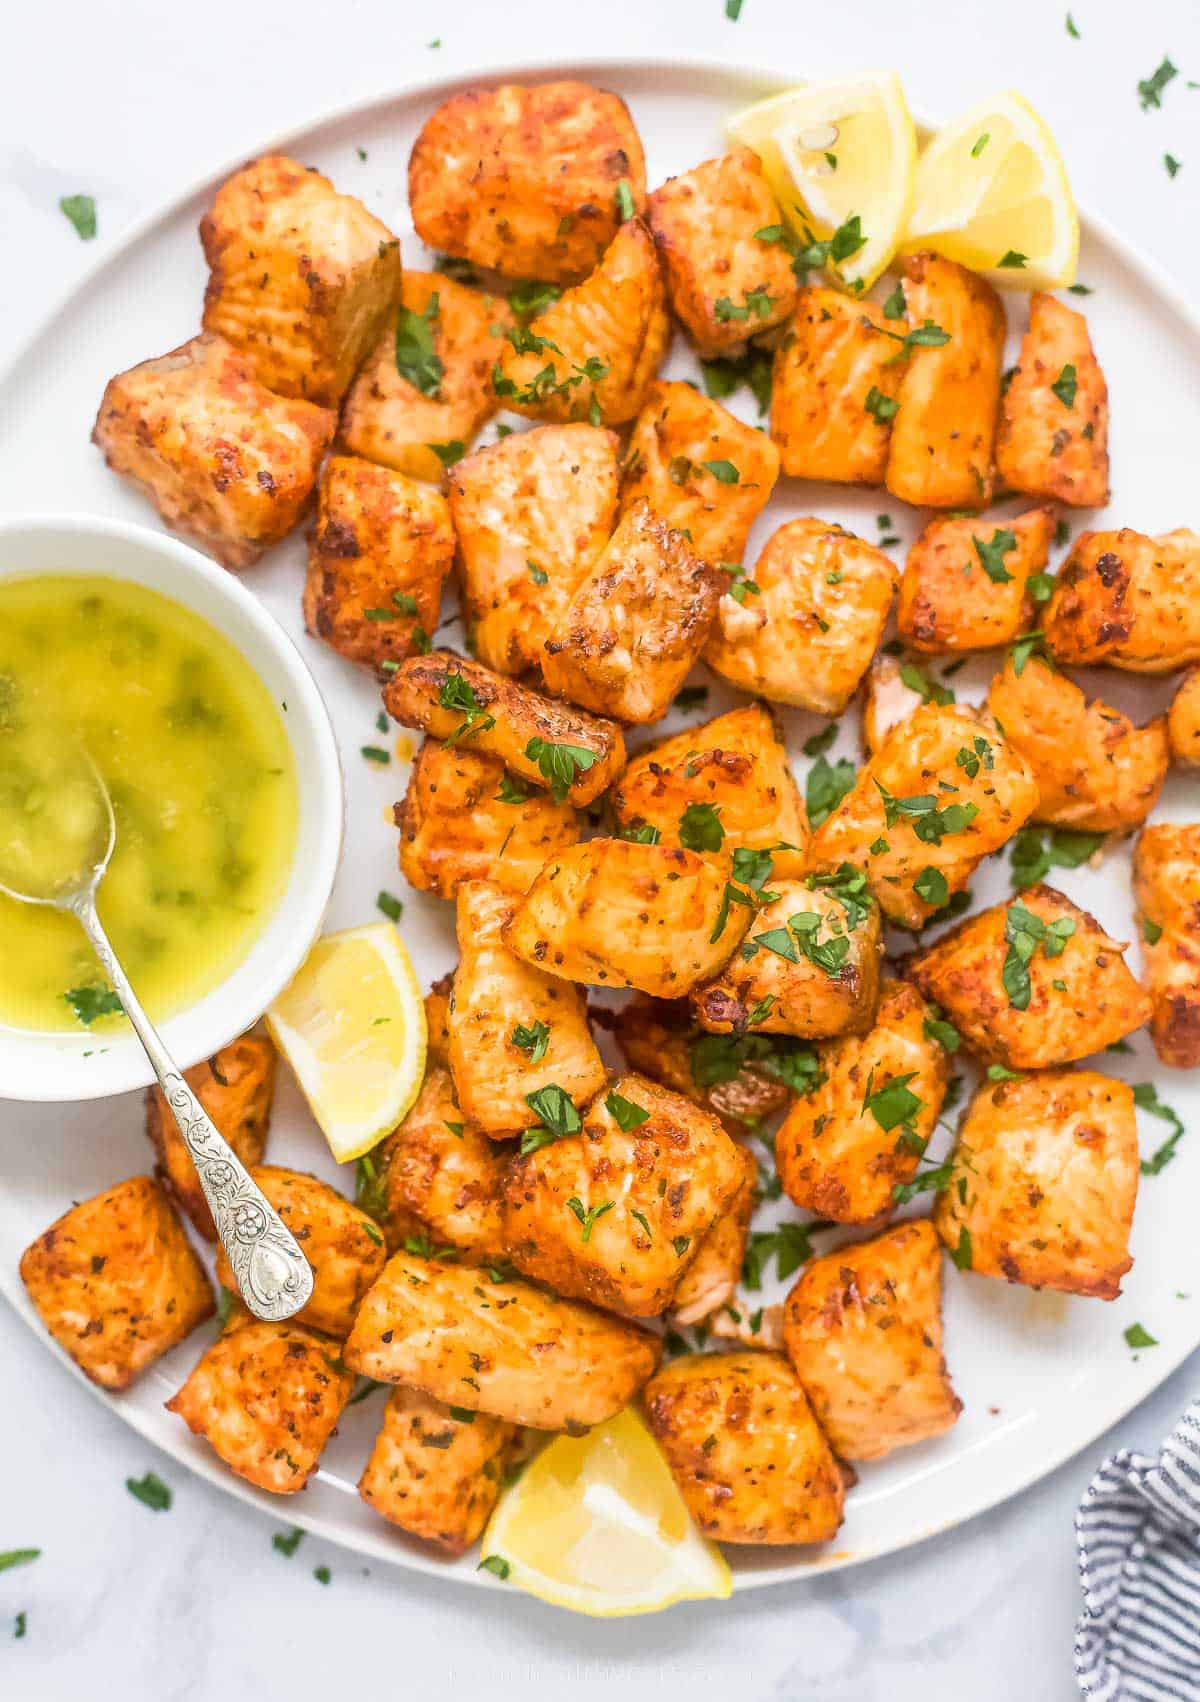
(273, 1277)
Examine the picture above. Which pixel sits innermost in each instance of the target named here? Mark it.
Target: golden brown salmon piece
(1166, 884)
(1129, 601)
(1053, 436)
(834, 389)
(965, 583)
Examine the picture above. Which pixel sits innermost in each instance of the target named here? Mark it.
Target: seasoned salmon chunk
(574, 755)
(1032, 983)
(743, 1446)
(532, 514)
(726, 281)
(1053, 436)
(739, 1078)
(592, 354)
(701, 470)
(1166, 884)
(834, 389)
(464, 819)
(425, 387)
(116, 1283)
(726, 783)
(1183, 721)
(965, 584)
(525, 179)
(502, 1347)
(708, 1284)
(1043, 1180)
(221, 458)
(863, 1330)
(636, 625)
(378, 556)
(944, 431)
(434, 1474)
(300, 277)
(802, 628)
(1129, 601)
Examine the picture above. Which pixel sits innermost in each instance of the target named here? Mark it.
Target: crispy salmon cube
(613, 913)
(808, 966)
(1128, 601)
(382, 546)
(1053, 434)
(1094, 768)
(709, 1282)
(744, 1448)
(725, 282)
(701, 470)
(340, 1242)
(735, 766)
(887, 699)
(574, 755)
(437, 1011)
(834, 389)
(593, 353)
(1043, 1181)
(267, 1398)
(943, 791)
(863, 1330)
(1031, 983)
(634, 628)
(300, 277)
(514, 1029)
(532, 514)
(524, 179)
(616, 1212)
(503, 1347)
(463, 819)
(443, 1171)
(944, 432)
(726, 1074)
(435, 1475)
(221, 458)
(844, 1146)
(803, 628)
(236, 1087)
(965, 583)
(426, 384)
(116, 1283)
(1166, 885)
(1183, 721)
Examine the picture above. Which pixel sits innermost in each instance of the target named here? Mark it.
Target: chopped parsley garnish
(916, 679)
(1145, 1097)
(17, 1557)
(1150, 89)
(991, 555)
(937, 1027)
(880, 407)
(1001, 1072)
(559, 1118)
(81, 210)
(528, 300)
(849, 886)
(638, 1217)
(534, 1040)
(1173, 165)
(979, 756)
(757, 302)
(91, 1003)
(733, 10)
(457, 693)
(789, 1244)
(322, 1574)
(929, 823)
(1072, 29)
(936, 1178)
(1012, 260)
(924, 336)
(718, 1058)
(818, 743)
(1027, 645)
(1065, 385)
(626, 206)
(625, 1113)
(700, 828)
(1151, 932)
(691, 697)
(496, 1564)
(1138, 1336)
(723, 471)
(1040, 587)
(895, 307)
(931, 887)
(537, 574)
(740, 587)
(640, 833)
(561, 765)
(416, 359)
(375, 753)
(962, 1254)
(392, 908)
(449, 453)
(512, 791)
(587, 1218)
(799, 939)
(980, 144)
(825, 787)
(287, 1542)
(151, 1491)
(1025, 932)
(725, 374)
(894, 1103)
(369, 1191)
(1036, 850)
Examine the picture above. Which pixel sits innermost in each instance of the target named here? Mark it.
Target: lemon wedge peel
(351, 1024)
(992, 183)
(596, 1524)
(836, 151)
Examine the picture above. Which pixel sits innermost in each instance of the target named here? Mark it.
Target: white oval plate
(1040, 1375)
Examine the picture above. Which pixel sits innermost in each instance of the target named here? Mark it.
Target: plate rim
(1149, 273)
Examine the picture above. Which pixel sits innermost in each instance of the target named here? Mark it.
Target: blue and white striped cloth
(1138, 1530)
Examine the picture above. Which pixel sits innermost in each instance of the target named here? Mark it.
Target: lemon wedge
(992, 187)
(351, 1024)
(596, 1524)
(835, 152)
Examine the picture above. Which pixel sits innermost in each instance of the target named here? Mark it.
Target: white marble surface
(126, 101)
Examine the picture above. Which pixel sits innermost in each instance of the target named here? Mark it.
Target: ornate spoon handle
(272, 1274)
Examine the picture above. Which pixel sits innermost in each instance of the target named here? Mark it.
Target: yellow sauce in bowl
(195, 755)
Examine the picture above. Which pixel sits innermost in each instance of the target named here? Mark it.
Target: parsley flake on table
(287, 1542)
(151, 1491)
(391, 906)
(81, 211)
(11, 1557)
(1150, 89)
(1138, 1336)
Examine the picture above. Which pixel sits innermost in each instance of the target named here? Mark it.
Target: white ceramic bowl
(53, 1066)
